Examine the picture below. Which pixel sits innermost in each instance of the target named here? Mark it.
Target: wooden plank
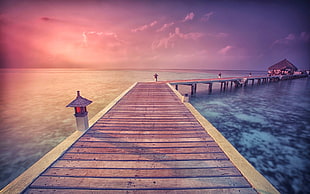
(163, 121)
(134, 115)
(136, 183)
(145, 150)
(148, 119)
(144, 144)
(142, 102)
(140, 156)
(110, 124)
(150, 114)
(126, 139)
(142, 164)
(135, 128)
(141, 132)
(148, 136)
(152, 132)
(144, 173)
(171, 109)
(145, 191)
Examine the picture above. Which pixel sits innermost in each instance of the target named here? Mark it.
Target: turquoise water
(268, 124)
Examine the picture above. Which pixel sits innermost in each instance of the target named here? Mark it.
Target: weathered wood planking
(148, 142)
(145, 173)
(140, 156)
(144, 191)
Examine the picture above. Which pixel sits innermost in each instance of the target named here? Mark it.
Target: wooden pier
(149, 142)
(225, 83)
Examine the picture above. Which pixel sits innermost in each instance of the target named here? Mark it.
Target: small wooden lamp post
(79, 104)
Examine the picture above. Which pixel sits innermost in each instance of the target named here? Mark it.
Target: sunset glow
(154, 34)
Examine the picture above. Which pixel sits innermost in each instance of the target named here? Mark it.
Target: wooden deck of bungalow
(150, 142)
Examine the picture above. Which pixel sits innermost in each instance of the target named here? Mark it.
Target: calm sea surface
(268, 124)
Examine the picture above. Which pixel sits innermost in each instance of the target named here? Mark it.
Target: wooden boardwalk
(236, 81)
(149, 142)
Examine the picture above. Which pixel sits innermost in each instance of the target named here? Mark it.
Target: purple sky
(249, 35)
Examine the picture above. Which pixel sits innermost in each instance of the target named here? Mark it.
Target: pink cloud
(189, 16)
(165, 26)
(206, 17)
(153, 23)
(191, 35)
(290, 37)
(304, 37)
(144, 27)
(165, 42)
(112, 35)
(224, 50)
(173, 37)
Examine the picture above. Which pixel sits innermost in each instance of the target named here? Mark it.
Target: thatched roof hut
(283, 65)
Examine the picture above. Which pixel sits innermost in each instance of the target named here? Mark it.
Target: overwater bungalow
(283, 67)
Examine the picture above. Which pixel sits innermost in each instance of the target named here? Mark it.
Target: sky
(154, 34)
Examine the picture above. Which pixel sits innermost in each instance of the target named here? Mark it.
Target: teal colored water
(268, 124)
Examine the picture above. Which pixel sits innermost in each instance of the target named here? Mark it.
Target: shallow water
(268, 124)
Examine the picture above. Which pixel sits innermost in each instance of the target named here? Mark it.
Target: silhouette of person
(155, 76)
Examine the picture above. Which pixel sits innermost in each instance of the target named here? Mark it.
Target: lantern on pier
(79, 104)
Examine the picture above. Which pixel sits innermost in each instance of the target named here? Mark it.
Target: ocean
(269, 124)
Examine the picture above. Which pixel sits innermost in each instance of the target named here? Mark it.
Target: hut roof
(284, 64)
(79, 101)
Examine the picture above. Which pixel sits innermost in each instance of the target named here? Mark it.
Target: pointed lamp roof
(284, 64)
(79, 101)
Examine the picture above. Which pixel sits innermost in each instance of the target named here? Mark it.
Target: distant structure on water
(283, 67)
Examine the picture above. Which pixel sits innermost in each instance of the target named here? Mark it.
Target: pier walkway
(225, 83)
(149, 142)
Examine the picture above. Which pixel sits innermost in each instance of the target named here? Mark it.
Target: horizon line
(141, 69)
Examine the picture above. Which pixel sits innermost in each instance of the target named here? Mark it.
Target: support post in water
(81, 114)
(193, 89)
(185, 98)
(210, 87)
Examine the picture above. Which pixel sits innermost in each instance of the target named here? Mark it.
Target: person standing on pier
(155, 76)
(220, 75)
